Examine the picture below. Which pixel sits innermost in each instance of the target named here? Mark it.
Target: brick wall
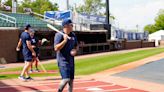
(133, 44)
(8, 42)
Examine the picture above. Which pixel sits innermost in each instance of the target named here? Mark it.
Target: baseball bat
(53, 28)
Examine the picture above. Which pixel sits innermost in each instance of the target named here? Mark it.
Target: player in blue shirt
(28, 52)
(34, 43)
(66, 50)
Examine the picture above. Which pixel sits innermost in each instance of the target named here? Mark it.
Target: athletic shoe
(29, 78)
(22, 78)
(37, 70)
(31, 71)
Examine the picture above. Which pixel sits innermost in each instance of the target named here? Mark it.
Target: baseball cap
(66, 22)
(27, 26)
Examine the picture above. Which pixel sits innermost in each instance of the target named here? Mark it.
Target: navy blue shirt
(25, 36)
(34, 41)
(64, 57)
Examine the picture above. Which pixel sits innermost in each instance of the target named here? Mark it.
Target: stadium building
(91, 31)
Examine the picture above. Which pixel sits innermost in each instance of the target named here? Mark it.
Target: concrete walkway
(107, 75)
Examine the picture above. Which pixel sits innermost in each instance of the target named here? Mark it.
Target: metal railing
(8, 18)
(45, 17)
(80, 23)
(83, 24)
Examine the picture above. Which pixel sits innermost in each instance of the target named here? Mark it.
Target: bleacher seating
(4, 23)
(23, 19)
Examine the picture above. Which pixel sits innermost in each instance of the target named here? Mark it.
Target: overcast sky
(128, 13)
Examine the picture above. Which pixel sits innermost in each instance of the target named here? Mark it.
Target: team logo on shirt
(72, 38)
(33, 40)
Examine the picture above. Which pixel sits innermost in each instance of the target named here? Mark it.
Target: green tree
(0, 5)
(39, 6)
(8, 3)
(94, 7)
(24, 4)
(150, 28)
(159, 21)
(158, 25)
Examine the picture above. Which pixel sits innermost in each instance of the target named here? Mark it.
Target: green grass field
(94, 64)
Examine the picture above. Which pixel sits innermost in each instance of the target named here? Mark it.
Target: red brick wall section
(8, 42)
(148, 44)
(137, 44)
(133, 44)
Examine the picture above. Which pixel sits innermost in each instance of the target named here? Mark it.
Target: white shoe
(22, 78)
(31, 71)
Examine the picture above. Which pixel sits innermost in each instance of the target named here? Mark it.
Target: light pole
(108, 25)
(67, 4)
(14, 6)
(137, 26)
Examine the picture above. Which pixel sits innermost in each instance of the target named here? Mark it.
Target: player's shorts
(36, 51)
(67, 71)
(27, 56)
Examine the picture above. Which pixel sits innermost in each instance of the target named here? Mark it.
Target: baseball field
(89, 65)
